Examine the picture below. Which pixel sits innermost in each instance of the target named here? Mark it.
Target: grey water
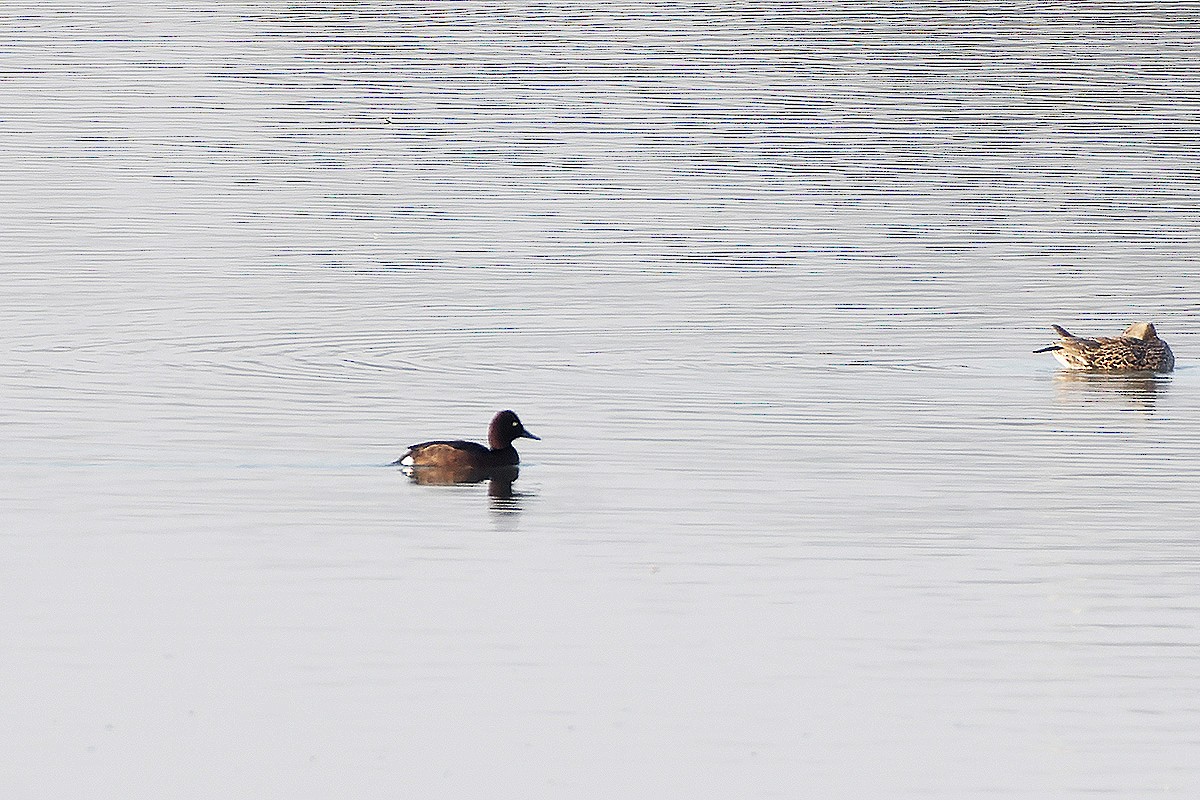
(808, 517)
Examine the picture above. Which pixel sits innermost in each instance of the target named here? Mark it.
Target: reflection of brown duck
(436, 475)
(446, 462)
(1138, 349)
(1135, 391)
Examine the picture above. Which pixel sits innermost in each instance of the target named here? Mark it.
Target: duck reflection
(499, 479)
(1136, 391)
(500, 489)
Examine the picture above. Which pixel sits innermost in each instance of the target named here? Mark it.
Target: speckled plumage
(1138, 349)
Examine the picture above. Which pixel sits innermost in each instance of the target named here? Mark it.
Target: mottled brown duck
(1138, 349)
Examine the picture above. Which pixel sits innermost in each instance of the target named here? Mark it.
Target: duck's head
(1141, 330)
(505, 428)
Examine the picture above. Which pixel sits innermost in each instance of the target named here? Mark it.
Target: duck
(468, 462)
(1137, 349)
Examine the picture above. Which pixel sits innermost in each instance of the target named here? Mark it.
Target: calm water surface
(808, 519)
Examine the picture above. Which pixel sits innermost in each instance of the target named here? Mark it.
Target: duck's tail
(1061, 331)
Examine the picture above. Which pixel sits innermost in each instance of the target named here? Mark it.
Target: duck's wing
(441, 452)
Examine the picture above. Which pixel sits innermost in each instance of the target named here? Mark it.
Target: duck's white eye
(515, 424)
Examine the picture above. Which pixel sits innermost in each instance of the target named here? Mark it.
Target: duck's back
(448, 454)
(1117, 353)
(457, 454)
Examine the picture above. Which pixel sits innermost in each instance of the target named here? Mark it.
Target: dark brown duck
(461, 461)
